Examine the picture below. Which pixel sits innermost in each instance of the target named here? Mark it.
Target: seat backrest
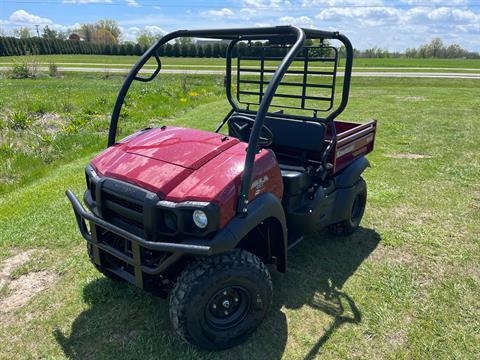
(296, 134)
(296, 141)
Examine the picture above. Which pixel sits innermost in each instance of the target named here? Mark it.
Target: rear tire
(357, 209)
(219, 301)
(100, 268)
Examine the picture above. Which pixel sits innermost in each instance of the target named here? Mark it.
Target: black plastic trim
(350, 175)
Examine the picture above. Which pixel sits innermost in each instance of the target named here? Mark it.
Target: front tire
(357, 209)
(219, 301)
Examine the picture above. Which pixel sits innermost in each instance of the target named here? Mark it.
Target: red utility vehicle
(198, 214)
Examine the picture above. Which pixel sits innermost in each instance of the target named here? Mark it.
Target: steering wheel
(241, 127)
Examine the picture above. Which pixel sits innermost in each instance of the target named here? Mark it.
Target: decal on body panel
(259, 184)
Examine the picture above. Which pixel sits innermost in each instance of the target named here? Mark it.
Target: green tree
(146, 38)
(183, 41)
(109, 25)
(168, 49)
(86, 32)
(49, 34)
(22, 33)
(208, 51)
(137, 50)
(176, 50)
(436, 48)
(129, 48)
(184, 50)
(103, 36)
(200, 52)
(216, 51)
(3, 51)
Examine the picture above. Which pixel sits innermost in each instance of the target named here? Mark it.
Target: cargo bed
(353, 141)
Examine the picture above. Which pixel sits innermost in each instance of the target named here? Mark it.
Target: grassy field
(405, 286)
(470, 65)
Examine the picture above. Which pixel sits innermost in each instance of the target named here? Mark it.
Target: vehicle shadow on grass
(123, 322)
(319, 269)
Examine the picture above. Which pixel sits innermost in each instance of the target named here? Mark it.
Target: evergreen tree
(184, 50)
(175, 50)
(137, 50)
(216, 50)
(3, 51)
(200, 52)
(129, 49)
(192, 50)
(208, 51)
(168, 50)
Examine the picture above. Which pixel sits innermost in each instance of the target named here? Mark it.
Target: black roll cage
(289, 34)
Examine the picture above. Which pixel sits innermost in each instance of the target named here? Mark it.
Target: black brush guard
(199, 247)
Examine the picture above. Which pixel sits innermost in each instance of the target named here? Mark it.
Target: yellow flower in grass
(193, 93)
(183, 100)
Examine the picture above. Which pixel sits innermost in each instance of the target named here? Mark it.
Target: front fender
(262, 208)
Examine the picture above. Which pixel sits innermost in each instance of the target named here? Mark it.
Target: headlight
(200, 219)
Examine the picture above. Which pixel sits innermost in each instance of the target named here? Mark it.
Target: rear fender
(348, 177)
(347, 183)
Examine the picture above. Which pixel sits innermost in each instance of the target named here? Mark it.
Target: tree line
(434, 49)
(104, 38)
(11, 46)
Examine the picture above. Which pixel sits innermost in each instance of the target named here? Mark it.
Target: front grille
(123, 202)
(123, 212)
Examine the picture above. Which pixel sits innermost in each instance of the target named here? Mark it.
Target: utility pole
(38, 33)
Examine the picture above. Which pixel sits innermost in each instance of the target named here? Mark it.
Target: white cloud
(301, 21)
(341, 3)
(225, 12)
(375, 13)
(264, 3)
(131, 33)
(21, 17)
(86, 1)
(247, 13)
(435, 2)
(132, 3)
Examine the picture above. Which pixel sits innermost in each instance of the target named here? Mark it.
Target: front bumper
(222, 241)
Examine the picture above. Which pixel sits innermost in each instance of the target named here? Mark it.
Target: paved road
(199, 66)
(400, 74)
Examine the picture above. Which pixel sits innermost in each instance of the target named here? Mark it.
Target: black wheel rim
(357, 208)
(227, 308)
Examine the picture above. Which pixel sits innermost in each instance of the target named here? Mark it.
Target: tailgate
(353, 143)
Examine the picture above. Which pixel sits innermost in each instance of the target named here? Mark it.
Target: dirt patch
(13, 263)
(25, 287)
(408, 156)
(398, 339)
(476, 200)
(21, 290)
(392, 255)
(51, 123)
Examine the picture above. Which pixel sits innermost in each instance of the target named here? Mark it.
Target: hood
(187, 148)
(160, 159)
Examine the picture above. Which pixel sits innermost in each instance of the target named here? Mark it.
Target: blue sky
(390, 24)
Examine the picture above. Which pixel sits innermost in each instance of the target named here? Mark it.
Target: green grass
(50, 120)
(405, 286)
(217, 63)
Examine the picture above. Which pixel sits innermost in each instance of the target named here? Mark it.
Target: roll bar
(293, 35)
